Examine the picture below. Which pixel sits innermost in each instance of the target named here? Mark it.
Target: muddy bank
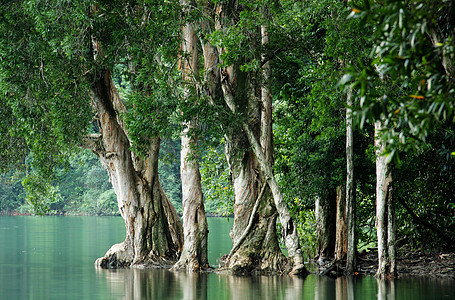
(413, 263)
(409, 264)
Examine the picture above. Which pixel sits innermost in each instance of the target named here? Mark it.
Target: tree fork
(153, 229)
(289, 229)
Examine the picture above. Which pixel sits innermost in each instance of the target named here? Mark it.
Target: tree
(350, 192)
(255, 188)
(69, 54)
(194, 254)
(385, 212)
(413, 49)
(11, 192)
(313, 126)
(406, 91)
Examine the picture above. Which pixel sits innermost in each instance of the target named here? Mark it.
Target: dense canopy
(267, 82)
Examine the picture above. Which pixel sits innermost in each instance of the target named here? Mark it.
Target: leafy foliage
(216, 183)
(309, 109)
(425, 193)
(400, 56)
(11, 191)
(40, 89)
(409, 82)
(81, 187)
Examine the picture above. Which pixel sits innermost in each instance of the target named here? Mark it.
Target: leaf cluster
(409, 83)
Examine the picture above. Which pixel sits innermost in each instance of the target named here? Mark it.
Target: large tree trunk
(350, 191)
(255, 244)
(325, 213)
(290, 233)
(385, 212)
(153, 229)
(194, 255)
(252, 170)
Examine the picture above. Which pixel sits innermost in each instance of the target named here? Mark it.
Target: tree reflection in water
(132, 284)
(386, 289)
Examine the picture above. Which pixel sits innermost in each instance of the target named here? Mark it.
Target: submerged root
(122, 256)
(191, 265)
(118, 256)
(254, 263)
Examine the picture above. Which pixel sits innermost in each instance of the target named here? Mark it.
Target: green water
(52, 258)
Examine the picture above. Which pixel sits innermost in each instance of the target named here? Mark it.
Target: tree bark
(350, 191)
(325, 225)
(341, 242)
(385, 212)
(153, 229)
(239, 95)
(255, 244)
(195, 229)
(290, 233)
(266, 138)
(194, 255)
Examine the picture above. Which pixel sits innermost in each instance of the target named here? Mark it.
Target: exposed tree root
(122, 256)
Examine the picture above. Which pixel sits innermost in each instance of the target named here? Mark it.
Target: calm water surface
(52, 258)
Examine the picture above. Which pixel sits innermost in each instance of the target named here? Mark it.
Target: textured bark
(194, 255)
(255, 244)
(350, 191)
(211, 84)
(266, 138)
(239, 95)
(341, 242)
(289, 232)
(391, 231)
(153, 229)
(385, 214)
(195, 228)
(325, 214)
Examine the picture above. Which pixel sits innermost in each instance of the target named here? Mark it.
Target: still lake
(52, 258)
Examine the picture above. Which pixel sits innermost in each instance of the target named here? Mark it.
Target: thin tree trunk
(153, 229)
(385, 220)
(266, 137)
(391, 230)
(341, 242)
(195, 228)
(350, 191)
(194, 255)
